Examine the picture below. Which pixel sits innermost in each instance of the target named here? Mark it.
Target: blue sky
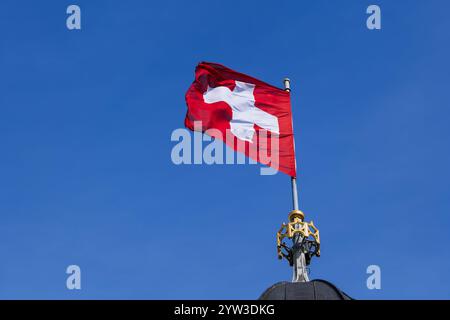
(86, 176)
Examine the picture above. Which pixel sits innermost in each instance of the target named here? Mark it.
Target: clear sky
(86, 176)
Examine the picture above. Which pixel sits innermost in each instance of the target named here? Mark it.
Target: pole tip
(287, 84)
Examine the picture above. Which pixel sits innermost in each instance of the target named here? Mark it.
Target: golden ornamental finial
(297, 228)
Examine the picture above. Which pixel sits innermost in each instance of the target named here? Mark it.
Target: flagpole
(303, 235)
(300, 273)
(287, 87)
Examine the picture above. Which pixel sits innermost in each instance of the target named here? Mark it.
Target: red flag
(253, 117)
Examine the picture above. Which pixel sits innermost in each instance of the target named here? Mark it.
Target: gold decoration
(306, 230)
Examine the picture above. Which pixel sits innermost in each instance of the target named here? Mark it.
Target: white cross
(245, 113)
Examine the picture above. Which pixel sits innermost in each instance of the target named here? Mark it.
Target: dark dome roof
(313, 290)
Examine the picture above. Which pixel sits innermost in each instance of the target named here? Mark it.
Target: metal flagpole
(295, 230)
(294, 193)
(287, 87)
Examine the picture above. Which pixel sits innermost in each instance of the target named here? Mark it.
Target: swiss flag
(253, 117)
